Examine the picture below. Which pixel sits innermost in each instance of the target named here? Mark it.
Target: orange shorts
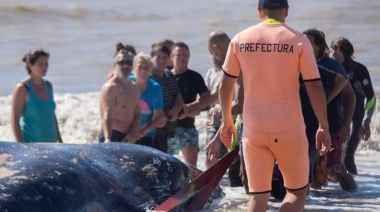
(289, 149)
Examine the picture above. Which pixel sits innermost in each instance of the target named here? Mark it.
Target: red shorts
(289, 149)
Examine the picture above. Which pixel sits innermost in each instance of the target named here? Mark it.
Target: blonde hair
(143, 57)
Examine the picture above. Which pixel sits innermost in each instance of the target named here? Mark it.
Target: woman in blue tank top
(33, 108)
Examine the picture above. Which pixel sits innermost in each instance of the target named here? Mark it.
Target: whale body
(87, 177)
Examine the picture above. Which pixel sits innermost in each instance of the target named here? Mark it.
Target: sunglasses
(125, 62)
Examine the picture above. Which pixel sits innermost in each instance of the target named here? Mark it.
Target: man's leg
(258, 160)
(258, 202)
(353, 142)
(173, 145)
(234, 174)
(291, 152)
(145, 141)
(188, 141)
(161, 140)
(294, 200)
(190, 154)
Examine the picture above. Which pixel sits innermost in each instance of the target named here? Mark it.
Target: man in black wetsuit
(340, 109)
(342, 50)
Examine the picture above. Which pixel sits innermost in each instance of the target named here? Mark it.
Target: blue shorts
(184, 138)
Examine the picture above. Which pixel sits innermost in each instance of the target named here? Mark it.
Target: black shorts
(115, 137)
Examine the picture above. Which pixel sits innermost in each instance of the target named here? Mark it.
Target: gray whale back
(88, 177)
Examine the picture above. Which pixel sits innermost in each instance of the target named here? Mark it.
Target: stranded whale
(88, 177)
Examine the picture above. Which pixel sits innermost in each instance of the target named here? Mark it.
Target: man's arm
(237, 104)
(132, 132)
(318, 102)
(236, 108)
(350, 99)
(154, 123)
(178, 103)
(339, 84)
(107, 105)
(205, 100)
(370, 105)
(225, 98)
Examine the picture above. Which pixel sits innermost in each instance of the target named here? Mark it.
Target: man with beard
(120, 102)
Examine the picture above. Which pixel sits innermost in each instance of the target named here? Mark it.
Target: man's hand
(214, 114)
(344, 133)
(228, 131)
(182, 113)
(171, 115)
(323, 141)
(365, 132)
(143, 130)
(130, 138)
(162, 122)
(213, 147)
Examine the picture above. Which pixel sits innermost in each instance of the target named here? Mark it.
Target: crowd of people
(299, 100)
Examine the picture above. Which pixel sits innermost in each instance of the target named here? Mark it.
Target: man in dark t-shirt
(332, 84)
(191, 84)
(339, 108)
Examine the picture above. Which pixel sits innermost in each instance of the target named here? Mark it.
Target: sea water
(81, 38)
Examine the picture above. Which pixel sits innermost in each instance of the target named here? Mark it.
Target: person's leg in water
(190, 154)
(161, 140)
(236, 171)
(189, 145)
(353, 142)
(291, 152)
(234, 174)
(294, 200)
(257, 156)
(313, 162)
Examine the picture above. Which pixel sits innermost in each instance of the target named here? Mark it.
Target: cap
(273, 4)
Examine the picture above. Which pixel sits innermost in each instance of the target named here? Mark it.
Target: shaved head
(217, 44)
(219, 38)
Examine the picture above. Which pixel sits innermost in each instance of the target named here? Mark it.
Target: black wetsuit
(365, 105)
(311, 121)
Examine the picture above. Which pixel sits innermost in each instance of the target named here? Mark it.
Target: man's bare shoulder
(135, 87)
(109, 86)
(112, 86)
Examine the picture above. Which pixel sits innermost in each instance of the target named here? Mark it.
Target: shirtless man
(120, 103)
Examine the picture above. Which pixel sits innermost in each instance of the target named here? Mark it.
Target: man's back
(271, 57)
